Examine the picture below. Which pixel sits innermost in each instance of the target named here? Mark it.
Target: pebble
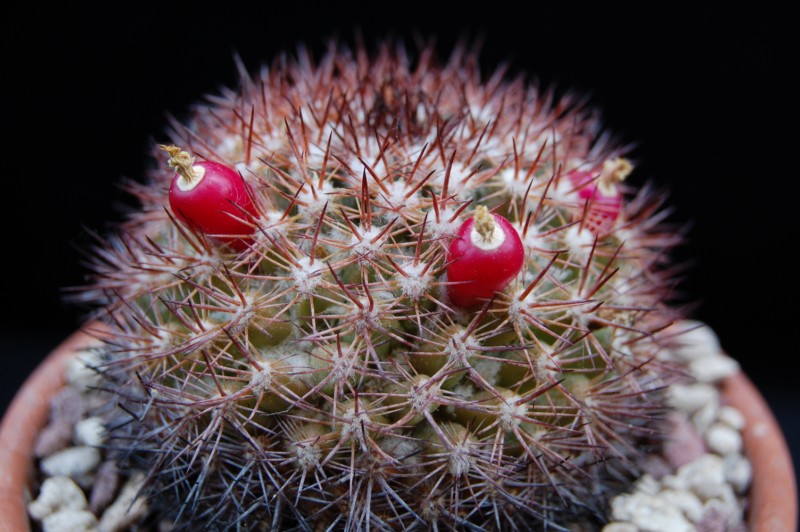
(90, 431)
(70, 521)
(695, 340)
(66, 409)
(705, 476)
(713, 369)
(55, 436)
(691, 397)
(73, 462)
(624, 506)
(703, 418)
(67, 405)
(81, 375)
(684, 444)
(127, 509)
(57, 494)
(738, 472)
(651, 513)
(686, 501)
(723, 439)
(104, 487)
(731, 417)
(719, 516)
(675, 482)
(648, 485)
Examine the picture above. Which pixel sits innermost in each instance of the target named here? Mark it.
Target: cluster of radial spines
(321, 375)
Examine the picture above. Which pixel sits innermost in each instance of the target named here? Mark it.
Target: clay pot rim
(773, 493)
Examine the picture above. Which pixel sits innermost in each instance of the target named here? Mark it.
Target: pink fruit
(601, 194)
(211, 197)
(484, 258)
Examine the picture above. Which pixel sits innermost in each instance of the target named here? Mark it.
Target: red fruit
(484, 258)
(211, 197)
(601, 193)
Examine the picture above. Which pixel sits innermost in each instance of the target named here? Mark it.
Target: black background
(706, 93)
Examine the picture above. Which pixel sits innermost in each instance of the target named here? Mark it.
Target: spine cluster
(316, 366)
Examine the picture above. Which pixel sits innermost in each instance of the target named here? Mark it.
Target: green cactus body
(321, 376)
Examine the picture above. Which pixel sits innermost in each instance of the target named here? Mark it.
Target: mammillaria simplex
(312, 365)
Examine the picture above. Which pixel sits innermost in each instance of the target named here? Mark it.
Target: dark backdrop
(706, 93)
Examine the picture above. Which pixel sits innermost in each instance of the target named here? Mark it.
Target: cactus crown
(321, 375)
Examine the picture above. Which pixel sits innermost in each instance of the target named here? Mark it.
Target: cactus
(314, 366)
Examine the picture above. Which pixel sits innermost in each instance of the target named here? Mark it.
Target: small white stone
(57, 494)
(731, 417)
(620, 527)
(732, 503)
(622, 506)
(686, 501)
(90, 431)
(127, 509)
(73, 462)
(724, 511)
(696, 340)
(691, 397)
(714, 368)
(647, 485)
(674, 482)
(684, 444)
(728, 498)
(738, 472)
(665, 519)
(649, 513)
(705, 417)
(70, 521)
(723, 439)
(80, 373)
(705, 476)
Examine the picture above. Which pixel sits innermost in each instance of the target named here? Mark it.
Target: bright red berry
(484, 258)
(211, 197)
(601, 193)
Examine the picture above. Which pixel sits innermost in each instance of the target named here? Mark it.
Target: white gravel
(713, 368)
(57, 494)
(723, 439)
(691, 397)
(70, 521)
(90, 431)
(738, 472)
(731, 417)
(74, 462)
(127, 509)
(81, 375)
(695, 341)
(700, 494)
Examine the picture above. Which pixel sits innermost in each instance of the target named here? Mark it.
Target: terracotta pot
(21, 424)
(773, 492)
